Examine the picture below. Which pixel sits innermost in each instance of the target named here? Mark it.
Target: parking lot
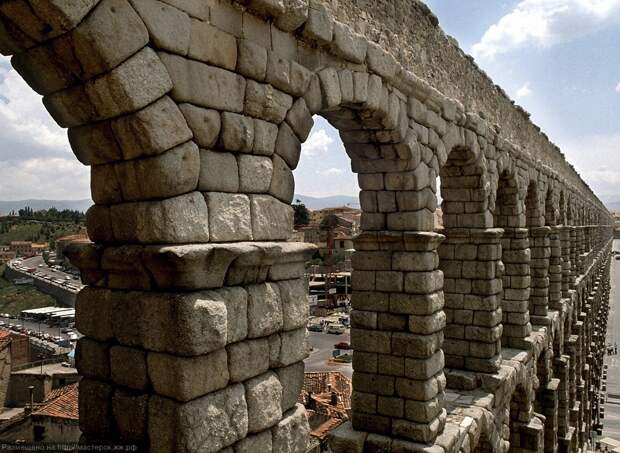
(63, 337)
(323, 346)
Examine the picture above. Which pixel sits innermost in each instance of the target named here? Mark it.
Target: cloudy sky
(560, 59)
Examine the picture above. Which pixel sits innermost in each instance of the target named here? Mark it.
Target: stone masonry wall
(483, 336)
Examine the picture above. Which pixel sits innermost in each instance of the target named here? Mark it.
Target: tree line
(51, 215)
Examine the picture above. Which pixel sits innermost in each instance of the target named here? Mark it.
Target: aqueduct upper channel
(485, 336)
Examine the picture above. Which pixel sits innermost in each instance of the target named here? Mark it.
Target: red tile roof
(323, 430)
(61, 403)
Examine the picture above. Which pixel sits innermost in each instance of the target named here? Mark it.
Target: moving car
(342, 345)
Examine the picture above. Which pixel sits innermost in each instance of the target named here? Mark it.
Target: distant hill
(328, 202)
(37, 205)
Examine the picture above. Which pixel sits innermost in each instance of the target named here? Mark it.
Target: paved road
(611, 422)
(55, 276)
(323, 344)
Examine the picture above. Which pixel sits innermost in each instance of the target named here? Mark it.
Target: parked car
(315, 328)
(342, 345)
(335, 329)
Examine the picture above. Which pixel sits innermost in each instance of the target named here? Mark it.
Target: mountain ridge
(77, 205)
(335, 201)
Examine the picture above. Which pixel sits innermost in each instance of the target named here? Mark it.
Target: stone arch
(464, 189)
(562, 210)
(509, 214)
(553, 218)
(470, 261)
(192, 119)
(539, 246)
(396, 174)
(533, 212)
(570, 215)
(524, 428)
(551, 208)
(546, 402)
(509, 211)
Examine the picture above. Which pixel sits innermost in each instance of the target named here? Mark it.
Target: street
(54, 276)
(611, 422)
(323, 345)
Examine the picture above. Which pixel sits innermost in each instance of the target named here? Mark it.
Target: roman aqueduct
(485, 336)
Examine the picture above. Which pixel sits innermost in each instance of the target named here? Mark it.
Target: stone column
(571, 349)
(516, 287)
(573, 256)
(194, 333)
(397, 334)
(555, 269)
(470, 259)
(550, 406)
(193, 347)
(591, 245)
(540, 250)
(561, 369)
(580, 249)
(566, 260)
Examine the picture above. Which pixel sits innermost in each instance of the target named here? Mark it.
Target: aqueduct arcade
(486, 335)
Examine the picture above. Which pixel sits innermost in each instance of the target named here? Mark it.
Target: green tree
(302, 215)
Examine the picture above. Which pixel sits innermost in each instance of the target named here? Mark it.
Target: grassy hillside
(14, 299)
(35, 230)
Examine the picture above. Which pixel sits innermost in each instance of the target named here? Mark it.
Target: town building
(327, 399)
(6, 254)
(21, 248)
(343, 230)
(63, 242)
(56, 419)
(27, 248)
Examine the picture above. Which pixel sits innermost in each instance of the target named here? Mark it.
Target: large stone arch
(469, 259)
(192, 115)
(509, 215)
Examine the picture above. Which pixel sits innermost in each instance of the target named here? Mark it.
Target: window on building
(39, 433)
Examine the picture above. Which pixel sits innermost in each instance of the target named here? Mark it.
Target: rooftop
(50, 370)
(61, 403)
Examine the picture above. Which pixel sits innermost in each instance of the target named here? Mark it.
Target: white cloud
(524, 91)
(545, 23)
(597, 159)
(332, 171)
(318, 143)
(24, 118)
(35, 157)
(618, 88)
(44, 178)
